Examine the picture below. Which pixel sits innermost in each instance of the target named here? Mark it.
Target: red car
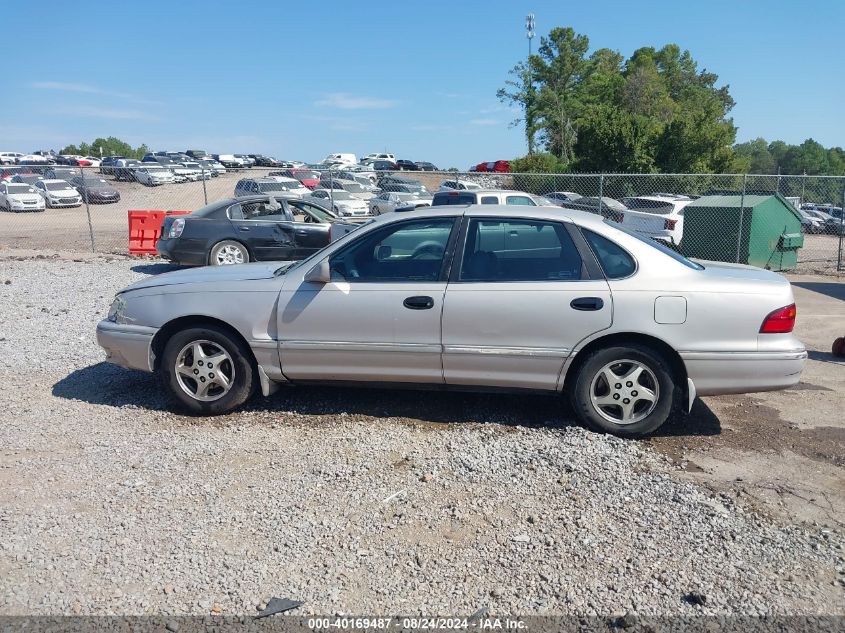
(499, 166)
(307, 177)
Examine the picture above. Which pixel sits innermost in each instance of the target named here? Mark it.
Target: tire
(838, 347)
(594, 396)
(228, 252)
(232, 361)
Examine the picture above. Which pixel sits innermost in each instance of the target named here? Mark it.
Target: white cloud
(62, 86)
(106, 113)
(484, 122)
(345, 101)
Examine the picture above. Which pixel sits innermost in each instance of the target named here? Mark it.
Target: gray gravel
(354, 502)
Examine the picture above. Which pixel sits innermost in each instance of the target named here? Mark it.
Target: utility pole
(529, 105)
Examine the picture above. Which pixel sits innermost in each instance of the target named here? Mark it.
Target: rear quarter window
(614, 260)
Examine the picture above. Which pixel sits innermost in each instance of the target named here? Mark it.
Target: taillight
(781, 321)
(176, 228)
(669, 225)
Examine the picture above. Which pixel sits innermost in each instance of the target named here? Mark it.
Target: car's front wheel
(207, 370)
(228, 252)
(625, 390)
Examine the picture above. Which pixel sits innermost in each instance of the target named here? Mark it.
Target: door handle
(243, 228)
(587, 303)
(418, 303)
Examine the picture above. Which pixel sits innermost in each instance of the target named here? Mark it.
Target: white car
(390, 201)
(340, 159)
(658, 216)
(199, 171)
(290, 186)
(458, 185)
(20, 197)
(189, 174)
(32, 158)
(9, 158)
(369, 158)
(152, 176)
(341, 202)
(364, 192)
(58, 193)
(559, 197)
(94, 162)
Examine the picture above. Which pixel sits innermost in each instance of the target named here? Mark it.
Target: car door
(378, 319)
(265, 228)
(309, 234)
(521, 295)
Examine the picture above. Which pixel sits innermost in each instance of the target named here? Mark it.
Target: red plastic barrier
(145, 229)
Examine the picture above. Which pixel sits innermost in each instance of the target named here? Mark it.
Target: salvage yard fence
(783, 222)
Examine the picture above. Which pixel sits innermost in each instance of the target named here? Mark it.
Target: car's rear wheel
(624, 390)
(228, 252)
(207, 370)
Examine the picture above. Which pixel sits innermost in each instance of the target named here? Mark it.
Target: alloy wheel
(624, 391)
(204, 370)
(229, 254)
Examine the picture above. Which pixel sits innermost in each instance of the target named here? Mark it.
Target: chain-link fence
(734, 218)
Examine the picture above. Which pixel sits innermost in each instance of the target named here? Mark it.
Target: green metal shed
(763, 231)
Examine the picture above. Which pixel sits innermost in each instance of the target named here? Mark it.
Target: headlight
(176, 228)
(116, 310)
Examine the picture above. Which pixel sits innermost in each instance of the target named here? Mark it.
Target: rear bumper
(127, 345)
(715, 373)
(174, 250)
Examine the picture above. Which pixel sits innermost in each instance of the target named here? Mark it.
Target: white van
(340, 159)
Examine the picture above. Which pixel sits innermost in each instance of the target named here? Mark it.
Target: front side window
(403, 252)
(519, 250)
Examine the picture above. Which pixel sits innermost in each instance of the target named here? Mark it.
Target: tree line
(110, 146)
(654, 112)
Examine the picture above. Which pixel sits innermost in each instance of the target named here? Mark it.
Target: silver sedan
(514, 298)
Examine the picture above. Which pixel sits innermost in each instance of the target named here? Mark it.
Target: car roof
(584, 218)
(480, 192)
(56, 180)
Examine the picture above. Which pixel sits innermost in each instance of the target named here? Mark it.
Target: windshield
(96, 182)
(353, 187)
(56, 186)
(157, 170)
(192, 165)
(341, 195)
(18, 188)
(659, 246)
(273, 186)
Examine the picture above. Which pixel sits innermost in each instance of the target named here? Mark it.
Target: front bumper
(21, 206)
(129, 346)
(715, 373)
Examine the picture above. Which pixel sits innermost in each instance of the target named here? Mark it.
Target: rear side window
(520, 200)
(519, 250)
(489, 200)
(615, 261)
(453, 197)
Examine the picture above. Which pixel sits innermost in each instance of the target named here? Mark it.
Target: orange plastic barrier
(145, 229)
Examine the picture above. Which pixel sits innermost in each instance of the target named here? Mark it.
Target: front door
(378, 319)
(517, 304)
(265, 228)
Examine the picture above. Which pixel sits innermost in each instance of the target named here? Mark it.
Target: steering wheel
(428, 250)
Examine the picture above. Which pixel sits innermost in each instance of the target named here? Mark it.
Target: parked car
(308, 177)
(107, 164)
(659, 217)
(389, 201)
(559, 197)
(483, 196)
(94, 189)
(407, 165)
(228, 160)
(413, 185)
(626, 328)
(264, 161)
(276, 185)
(253, 228)
(604, 206)
(810, 223)
(62, 173)
(378, 156)
(211, 166)
(9, 158)
(58, 193)
(153, 175)
(20, 197)
(383, 165)
(246, 160)
(49, 156)
(124, 169)
(355, 188)
(829, 224)
(26, 179)
(340, 159)
(8, 172)
(498, 166)
(426, 166)
(197, 154)
(340, 202)
(459, 185)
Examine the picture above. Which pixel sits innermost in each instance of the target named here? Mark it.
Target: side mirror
(320, 274)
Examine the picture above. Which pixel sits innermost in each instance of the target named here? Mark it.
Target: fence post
(601, 190)
(87, 209)
(742, 214)
(204, 192)
(841, 230)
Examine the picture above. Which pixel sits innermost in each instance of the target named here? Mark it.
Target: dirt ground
(782, 452)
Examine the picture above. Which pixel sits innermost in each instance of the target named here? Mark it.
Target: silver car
(474, 296)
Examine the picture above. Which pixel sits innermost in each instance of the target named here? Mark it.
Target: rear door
(265, 228)
(521, 295)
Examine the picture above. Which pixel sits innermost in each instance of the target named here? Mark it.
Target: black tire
(244, 373)
(227, 244)
(587, 379)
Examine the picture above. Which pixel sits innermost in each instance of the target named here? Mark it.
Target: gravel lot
(352, 501)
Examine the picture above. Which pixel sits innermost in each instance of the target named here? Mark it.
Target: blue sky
(300, 80)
